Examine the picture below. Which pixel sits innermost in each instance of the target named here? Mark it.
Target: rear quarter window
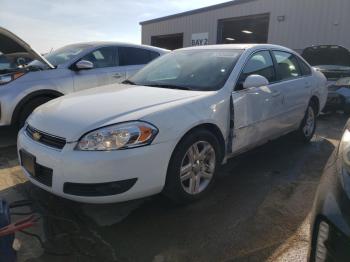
(305, 69)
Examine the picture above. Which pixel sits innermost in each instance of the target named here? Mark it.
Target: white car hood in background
(73, 115)
(10, 44)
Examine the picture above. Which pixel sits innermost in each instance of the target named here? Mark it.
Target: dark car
(331, 211)
(334, 62)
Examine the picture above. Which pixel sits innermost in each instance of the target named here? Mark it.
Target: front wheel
(308, 126)
(192, 168)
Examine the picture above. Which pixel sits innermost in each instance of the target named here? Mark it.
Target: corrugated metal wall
(307, 22)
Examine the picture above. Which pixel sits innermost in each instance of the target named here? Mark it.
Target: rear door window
(135, 56)
(287, 65)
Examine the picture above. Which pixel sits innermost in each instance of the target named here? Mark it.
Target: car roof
(239, 46)
(325, 46)
(97, 44)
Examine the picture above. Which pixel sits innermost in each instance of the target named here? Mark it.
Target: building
(292, 23)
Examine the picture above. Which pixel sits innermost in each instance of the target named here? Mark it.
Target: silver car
(68, 69)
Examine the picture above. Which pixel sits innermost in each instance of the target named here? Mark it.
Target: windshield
(63, 55)
(326, 55)
(201, 70)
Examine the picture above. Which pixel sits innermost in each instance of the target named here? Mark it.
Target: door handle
(307, 85)
(276, 94)
(118, 75)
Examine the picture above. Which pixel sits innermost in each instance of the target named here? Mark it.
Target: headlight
(118, 136)
(4, 79)
(344, 150)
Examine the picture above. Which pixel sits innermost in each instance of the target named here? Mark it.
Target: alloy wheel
(197, 167)
(309, 126)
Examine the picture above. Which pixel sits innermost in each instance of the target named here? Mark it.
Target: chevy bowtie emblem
(36, 136)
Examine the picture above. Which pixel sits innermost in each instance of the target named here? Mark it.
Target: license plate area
(28, 162)
(38, 172)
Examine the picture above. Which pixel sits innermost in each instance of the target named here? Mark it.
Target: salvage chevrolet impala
(169, 127)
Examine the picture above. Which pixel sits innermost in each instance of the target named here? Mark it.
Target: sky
(50, 24)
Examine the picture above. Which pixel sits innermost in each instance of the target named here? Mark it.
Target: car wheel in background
(29, 107)
(192, 168)
(308, 125)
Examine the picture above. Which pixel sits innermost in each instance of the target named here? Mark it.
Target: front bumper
(335, 101)
(338, 98)
(145, 165)
(331, 209)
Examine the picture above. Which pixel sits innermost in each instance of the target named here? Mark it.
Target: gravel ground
(258, 211)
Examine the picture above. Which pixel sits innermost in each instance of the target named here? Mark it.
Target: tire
(308, 126)
(28, 108)
(199, 167)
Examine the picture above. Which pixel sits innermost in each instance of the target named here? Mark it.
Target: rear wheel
(192, 168)
(308, 126)
(29, 107)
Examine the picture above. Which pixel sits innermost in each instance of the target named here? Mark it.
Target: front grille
(44, 138)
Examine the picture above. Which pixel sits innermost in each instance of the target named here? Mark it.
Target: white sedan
(169, 127)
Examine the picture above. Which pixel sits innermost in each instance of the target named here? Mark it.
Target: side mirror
(84, 65)
(255, 81)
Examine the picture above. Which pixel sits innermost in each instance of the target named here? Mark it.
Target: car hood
(73, 115)
(10, 44)
(327, 55)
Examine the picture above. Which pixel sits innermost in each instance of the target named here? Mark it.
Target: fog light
(322, 237)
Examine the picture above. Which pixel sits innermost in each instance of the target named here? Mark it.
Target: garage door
(170, 42)
(248, 29)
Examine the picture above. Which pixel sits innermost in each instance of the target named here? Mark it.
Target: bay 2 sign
(200, 39)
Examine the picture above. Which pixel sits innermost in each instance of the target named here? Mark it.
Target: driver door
(255, 108)
(106, 70)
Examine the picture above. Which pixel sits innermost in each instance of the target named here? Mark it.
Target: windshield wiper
(170, 86)
(128, 82)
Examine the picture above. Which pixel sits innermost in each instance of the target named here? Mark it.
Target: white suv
(169, 127)
(71, 68)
